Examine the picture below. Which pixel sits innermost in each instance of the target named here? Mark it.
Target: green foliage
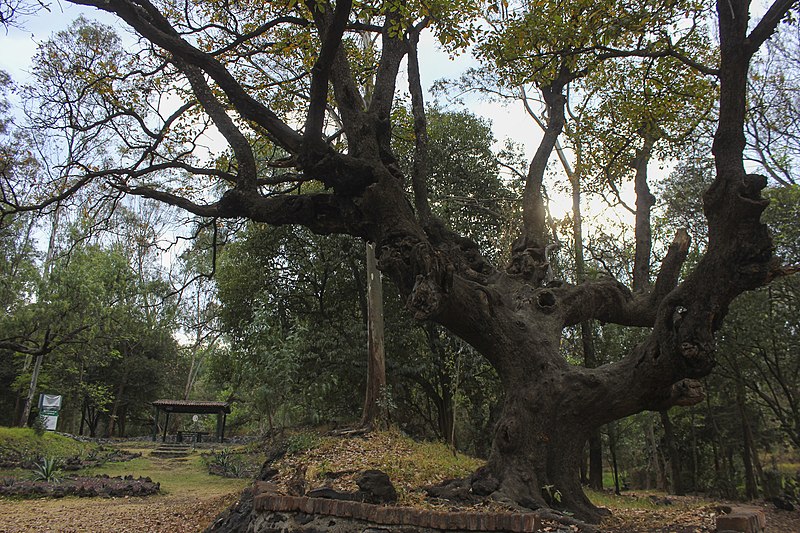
(301, 442)
(21, 446)
(225, 462)
(781, 216)
(291, 307)
(465, 186)
(47, 469)
(38, 426)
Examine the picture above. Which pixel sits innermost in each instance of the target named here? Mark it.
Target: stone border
(392, 515)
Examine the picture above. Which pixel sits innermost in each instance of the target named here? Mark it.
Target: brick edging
(392, 515)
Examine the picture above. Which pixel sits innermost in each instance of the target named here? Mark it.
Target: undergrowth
(22, 447)
(410, 465)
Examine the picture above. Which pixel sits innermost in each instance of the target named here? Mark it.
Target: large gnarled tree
(290, 73)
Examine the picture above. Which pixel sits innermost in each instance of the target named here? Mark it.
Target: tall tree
(507, 313)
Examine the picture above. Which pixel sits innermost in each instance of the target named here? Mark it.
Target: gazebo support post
(166, 425)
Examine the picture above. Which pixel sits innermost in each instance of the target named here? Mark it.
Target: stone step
(167, 454)
(171, 450)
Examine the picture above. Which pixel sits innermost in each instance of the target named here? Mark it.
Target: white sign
(50, 402)
(49, 406)
(49, 419)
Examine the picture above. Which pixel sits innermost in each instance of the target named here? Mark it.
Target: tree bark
(26, 408)
(675, 484)
(112, 417)
(750, 485)
(644, 203)
(376, 355)
(587, 334)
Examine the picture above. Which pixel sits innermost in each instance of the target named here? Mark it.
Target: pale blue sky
(18, 45)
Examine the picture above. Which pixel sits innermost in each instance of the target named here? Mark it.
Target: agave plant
(225, 463)
(46, 470)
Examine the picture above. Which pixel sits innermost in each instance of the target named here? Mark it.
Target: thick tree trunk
(536, 455)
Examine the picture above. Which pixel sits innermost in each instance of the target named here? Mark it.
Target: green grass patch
(22, 446)
(180, 476)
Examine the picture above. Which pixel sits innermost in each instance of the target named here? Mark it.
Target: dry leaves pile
(335, 462)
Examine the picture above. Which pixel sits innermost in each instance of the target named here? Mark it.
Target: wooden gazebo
(221, 409)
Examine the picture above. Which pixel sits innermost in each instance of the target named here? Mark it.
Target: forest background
(114, 301)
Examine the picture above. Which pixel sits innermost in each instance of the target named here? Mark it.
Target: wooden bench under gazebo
(221, 409)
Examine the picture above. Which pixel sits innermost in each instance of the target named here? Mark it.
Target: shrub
(46, 470)
(38, 426)
(225, 463)
(301, 442)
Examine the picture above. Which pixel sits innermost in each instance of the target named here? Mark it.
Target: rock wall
(275, 513)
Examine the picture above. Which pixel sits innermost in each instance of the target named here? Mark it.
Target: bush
(301, 442)
(38, 426)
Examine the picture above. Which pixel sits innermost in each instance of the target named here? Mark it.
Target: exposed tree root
(460, 491)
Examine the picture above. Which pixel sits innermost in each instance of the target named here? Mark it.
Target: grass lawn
(180, 476)
(190, 500)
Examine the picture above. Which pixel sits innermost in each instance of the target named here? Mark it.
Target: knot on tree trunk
(697, 355)
(687, 392)
(528, 262)
(432, 283)
(425, 298)
(507, 434)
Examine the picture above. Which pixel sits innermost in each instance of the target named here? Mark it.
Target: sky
(509, 121)
(18, 46)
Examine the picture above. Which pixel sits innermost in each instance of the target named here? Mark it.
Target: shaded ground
(156, 514)
(645, 513)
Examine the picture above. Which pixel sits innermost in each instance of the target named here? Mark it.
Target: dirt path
(154, 514)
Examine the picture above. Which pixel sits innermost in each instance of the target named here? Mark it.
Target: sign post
(49, 406)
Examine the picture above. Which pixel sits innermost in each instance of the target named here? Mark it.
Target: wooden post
(166, 425)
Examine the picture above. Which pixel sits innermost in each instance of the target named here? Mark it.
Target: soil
(154, 514)
(189, 514)
(690, 514)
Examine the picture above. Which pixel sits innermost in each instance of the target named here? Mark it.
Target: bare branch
(331, 27)
(768, 24)
(421, 170)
